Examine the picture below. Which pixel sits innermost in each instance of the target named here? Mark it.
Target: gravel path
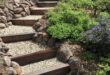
(40, 65)
(16, 30)
(24, 47)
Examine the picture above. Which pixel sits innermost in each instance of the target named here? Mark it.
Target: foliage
(77, 20)
(99, 33)
(105, 66)
(101, 4)
(80, 3)
(104, 18)
(60, 30)
(88, 56)
(94, 6)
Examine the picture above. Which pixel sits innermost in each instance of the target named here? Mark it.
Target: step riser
(46, 4)
(24, 22)
(38, 12)
(17, 37)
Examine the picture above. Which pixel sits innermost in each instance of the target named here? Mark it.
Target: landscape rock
(68, 50)
(41, 37)
(41, 24)
(44, 39)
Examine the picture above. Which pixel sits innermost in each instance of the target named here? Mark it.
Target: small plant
(104, 66)
(88, 56)
(105, 69)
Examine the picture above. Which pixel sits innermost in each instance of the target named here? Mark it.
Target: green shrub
(77, 20)
(104, 66)
(88, 56)
(54, 18)
(80, 3)
(104, 17)
(104, 69)
(60, 30)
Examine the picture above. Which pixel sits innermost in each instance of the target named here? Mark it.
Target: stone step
(27, 21)
(15, 29)
(47, 3)
(24, 47)
(40, 10)
(46, 66)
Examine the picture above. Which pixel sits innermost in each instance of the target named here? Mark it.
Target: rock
(26, 9)
(18, 10)
(17, 15)
(3, 48)
(1, 40)
(10, 23)
(1, 12)
(74, 63)
(17, 2)
(64, 53)
(41, 25)
(14, 9)
(41, 37)
(26, 3)
(3, 19)
(68, 50)
(2, 25)
(51, 42)
(10, 7)
(7, 67)
(17, 67)
(7, 61)
(8, 14)
(23, 14)
(11, 71)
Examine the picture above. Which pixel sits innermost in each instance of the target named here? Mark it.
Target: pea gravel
(40, 65)
(16, 30)
(24, 47)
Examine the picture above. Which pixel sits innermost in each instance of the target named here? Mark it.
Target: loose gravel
(31, 17)
(24, 47)
(40, 65)
(16, 30)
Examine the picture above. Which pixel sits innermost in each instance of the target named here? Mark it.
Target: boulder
(68, 50)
